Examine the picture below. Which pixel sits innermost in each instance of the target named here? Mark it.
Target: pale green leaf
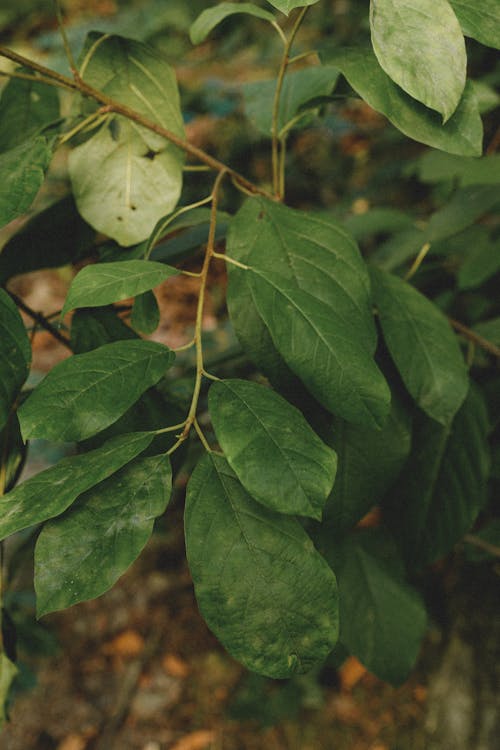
(462, 134)
(479, 19)
(383, 619)
(145, 313)
(81, 554)
(87, 392)
(102, 283)
(421, 47)
(26, 107)
(22, 172)
(52, 491)
(263, 589)
(423, 346)
(443, 486)
(272, 449)
(299, 87)
(125, 177)
(285, 6)
(212, 17)
(15, 355)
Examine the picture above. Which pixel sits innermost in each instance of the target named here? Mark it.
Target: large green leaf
(87, 392)
(81, 554)
(125, 178)
(462, 134)
(421, 47)
(422, 345)
(212, 17)
(260, 584)
(26, 107)
(102, 283)
(285, 6)
(274, 452)
(383, 619)
(322, 349)
(369, 463)
(299, 87)
(22, 172)
(15, 355)
(480, 20)
(443, 485)
(52, 491)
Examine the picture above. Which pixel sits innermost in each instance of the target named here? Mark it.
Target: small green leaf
(462, 134)
(479, 19)
(465, 207)
(52, 491)
(274, 452)
(263, 589)
(299, 87)
(8, 672)
(443, 486)
(87, 392)
(422, 345)
(369, 464)
(26, 107)
(81, 554)
(212, 17)
(22, 172)
(383, 619)
(54, 237)
(421, 47)
(322, 349)
(102, 283)
(125, 178)
(285, 6)
(145, 313)
(15, 355)
(482, 262)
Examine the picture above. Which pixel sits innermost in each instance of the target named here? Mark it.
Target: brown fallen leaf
(127, 644)
(196, 740)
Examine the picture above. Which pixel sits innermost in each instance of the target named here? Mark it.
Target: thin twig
(492, 549)
(40, 319)
(121, 109)
(475, 337)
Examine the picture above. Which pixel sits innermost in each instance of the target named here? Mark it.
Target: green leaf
(369, 464)
(54, 237)
(102, 283)
(8, 672)
(15, 355)
(145, 313)
(462, 134)
(22, 172)
(299, 87)
(422, 345)
(466, 206)
(52, 491)
(212, 17)
(489, 329)
(482, 262)
(480, 20)
(87, 392)
(285, 6)
(13, 451)
(377, 221)
(91, 328)
(383, 619)
(319, 335)
(263, 589)
(443, 485)
(436, 166)
(26, 107)
(323, 351)
(421, 47)
(125, 178)
(274, 452)
(81, 554)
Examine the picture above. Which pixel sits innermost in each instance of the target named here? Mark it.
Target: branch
(475, 337)
(482, 544)
(120, 109)
(40, 319)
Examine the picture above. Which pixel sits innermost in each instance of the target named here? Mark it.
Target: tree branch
(40, 319)
(475, 337)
